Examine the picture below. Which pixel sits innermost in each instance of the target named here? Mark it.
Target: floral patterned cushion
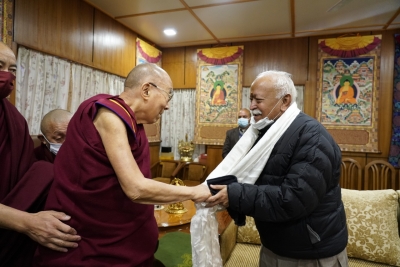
(372, 225)
(248, 233)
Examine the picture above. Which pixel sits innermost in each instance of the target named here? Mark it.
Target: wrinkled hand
(201, 193)
(46, 228)
(221, 198)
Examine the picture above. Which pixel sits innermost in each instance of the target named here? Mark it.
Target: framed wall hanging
(218, 93)
(348, 90)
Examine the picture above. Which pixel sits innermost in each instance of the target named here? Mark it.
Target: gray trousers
(270, 259)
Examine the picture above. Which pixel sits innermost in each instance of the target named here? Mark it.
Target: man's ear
(145, 91)
(41, 138)
(286, 100)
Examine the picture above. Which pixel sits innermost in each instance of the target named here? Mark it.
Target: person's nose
(166, 107)
(253, 105)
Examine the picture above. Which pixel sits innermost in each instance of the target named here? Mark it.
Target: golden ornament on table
(176, 208)
(186, 150)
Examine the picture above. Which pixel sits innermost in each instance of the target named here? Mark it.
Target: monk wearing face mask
(54, 130)
(24, 184)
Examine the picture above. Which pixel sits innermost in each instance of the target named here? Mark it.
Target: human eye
(13, 70)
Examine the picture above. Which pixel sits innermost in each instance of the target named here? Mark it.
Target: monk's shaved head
(142, 73)
(5, 49)
(7, 59)
(54, 117)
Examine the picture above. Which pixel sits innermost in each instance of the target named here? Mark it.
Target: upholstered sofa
(372, 221)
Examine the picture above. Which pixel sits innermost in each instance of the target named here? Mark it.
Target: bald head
(142, 73)
(8, 61)
(5, 49)
(54, 125)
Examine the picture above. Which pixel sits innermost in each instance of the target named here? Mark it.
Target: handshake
(218, 189)
(222, 180)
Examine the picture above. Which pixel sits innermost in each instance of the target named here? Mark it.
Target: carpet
(175, 250)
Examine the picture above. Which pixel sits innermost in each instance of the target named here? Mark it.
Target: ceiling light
(169, 32)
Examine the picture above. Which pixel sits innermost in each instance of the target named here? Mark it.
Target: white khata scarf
(246, 166)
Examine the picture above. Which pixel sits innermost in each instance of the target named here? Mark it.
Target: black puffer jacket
(296, 202)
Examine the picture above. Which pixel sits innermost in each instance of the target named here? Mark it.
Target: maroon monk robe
(115, 231)
(23, 183)
(42, 152)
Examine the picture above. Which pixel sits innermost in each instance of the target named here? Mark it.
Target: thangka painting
(218, 93)
(6, 13)
(347, 99)
(146, 53)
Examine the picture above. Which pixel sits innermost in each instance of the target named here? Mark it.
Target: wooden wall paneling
(112, 51)
(128, 61)
(61, 28)
(310, 90)
(154, 152)
(290, 55)
(190, 66)
(173, 64)
(214, 157)
(385, 92)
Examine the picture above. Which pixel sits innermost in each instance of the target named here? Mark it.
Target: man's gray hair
(281, 82)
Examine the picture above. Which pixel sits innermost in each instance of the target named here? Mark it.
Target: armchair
(380, 174)
(351, 174)
(164, 170)
(193, 173)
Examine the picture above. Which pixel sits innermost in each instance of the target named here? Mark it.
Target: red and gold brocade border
(346, 47)
(148, 52)
(220, 56)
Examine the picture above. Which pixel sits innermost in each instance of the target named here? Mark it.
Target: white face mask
(54, 147)
(261, 124)
(243, 122)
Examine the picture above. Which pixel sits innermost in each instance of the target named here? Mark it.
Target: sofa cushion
(247, 255)
(248, 233)
(372, 225)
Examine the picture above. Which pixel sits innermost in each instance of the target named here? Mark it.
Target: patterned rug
(175, 250)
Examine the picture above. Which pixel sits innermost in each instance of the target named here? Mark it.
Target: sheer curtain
(179, 120)
(87, 82)
(42, 85)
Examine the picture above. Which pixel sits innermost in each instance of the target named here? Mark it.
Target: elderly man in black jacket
(296, 199)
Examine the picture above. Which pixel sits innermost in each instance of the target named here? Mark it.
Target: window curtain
(87, 82)
(42, 85)
(178, 121)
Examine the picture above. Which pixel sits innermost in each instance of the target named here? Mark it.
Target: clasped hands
(221, 198)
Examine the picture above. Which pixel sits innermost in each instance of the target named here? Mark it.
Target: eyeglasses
(170, 93)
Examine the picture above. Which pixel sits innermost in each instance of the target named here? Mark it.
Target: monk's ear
(286, 100)
(41, 138)
(145, 91)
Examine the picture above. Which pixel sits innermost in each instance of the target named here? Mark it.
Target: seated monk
(24, 184)
(54, 129)
(101, 176)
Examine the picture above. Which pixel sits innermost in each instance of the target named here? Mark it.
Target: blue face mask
(54, 147)
(243, 122)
